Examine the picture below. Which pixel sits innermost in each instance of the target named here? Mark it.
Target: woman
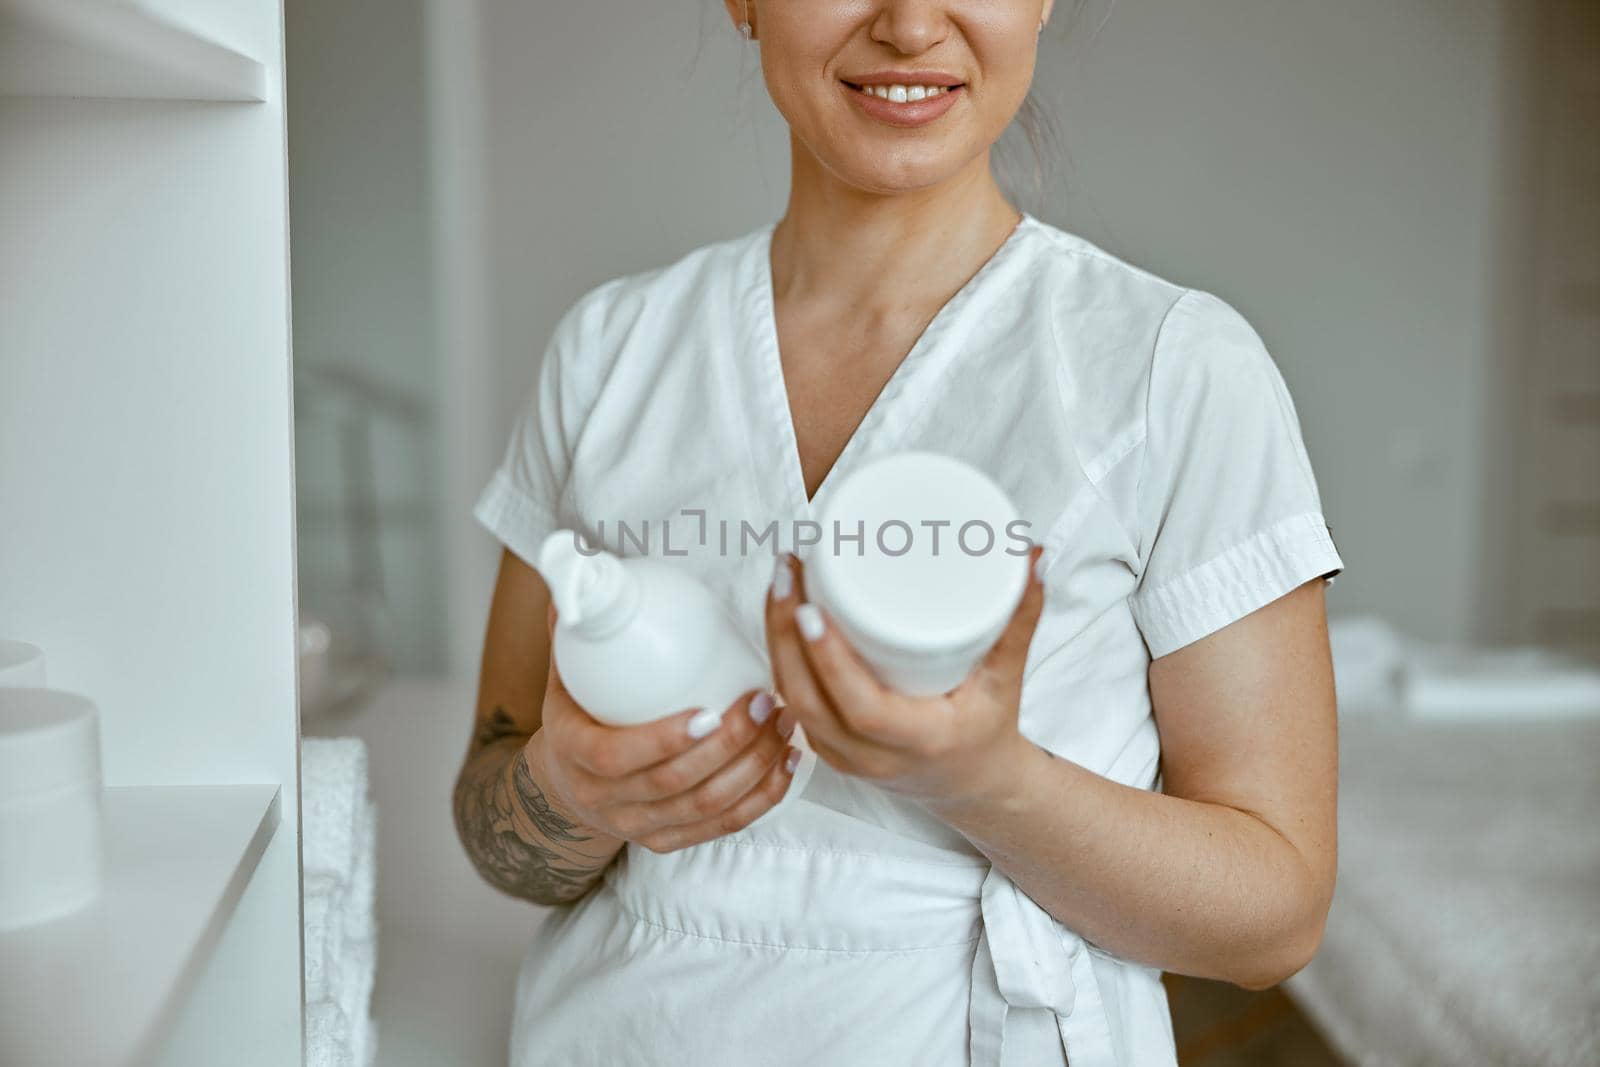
(988, 876)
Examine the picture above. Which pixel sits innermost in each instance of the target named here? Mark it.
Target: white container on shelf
(50, 820)
(21, 665)
(937, 571)
(637, 640)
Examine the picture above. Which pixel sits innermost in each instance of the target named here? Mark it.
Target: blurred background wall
(1361, 179)
(366, 330)
(1356, 178)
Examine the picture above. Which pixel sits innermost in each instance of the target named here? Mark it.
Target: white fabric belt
(1026, 959)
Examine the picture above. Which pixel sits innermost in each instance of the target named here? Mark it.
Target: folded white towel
(333, 797)
(324, 916)
(328, 1036)
(1498, 683)
(360, 900)
(340, 926)
(354, 991)
(368, 1051)
(1367, 657)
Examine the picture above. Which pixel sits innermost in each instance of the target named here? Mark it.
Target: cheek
(1005, 46)
(795, 53)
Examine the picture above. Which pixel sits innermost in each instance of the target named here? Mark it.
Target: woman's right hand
(690, 777)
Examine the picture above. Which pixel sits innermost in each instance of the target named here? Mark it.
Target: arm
(1227, 875)
(520, 840)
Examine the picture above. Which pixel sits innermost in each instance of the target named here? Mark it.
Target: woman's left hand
(951, 746)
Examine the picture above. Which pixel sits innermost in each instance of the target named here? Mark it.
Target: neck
(836, 241)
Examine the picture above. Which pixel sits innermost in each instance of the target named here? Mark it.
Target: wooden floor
(1220, 1025)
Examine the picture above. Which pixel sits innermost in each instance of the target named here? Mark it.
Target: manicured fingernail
(705, 722)
(809, 619)
(793, 761)
(1039, 567)
(760, 708)
(782, 578)
(786, 725)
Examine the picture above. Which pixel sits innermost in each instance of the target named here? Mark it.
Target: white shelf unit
(178, 860)
(116, 48)
(147, 513)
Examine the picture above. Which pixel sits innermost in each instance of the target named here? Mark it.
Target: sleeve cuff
(520, 520)
(1226, 588)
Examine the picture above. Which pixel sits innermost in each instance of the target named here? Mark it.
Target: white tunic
(1146, 435)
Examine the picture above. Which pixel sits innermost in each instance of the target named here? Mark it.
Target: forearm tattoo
(516, 839)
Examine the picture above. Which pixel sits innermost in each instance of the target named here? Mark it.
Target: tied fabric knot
(1025, 959)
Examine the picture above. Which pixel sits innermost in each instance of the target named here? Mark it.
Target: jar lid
(49, 739)
(21, 664)
(938, 563)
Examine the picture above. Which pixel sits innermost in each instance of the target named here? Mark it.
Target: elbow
(1275, 968)
(1289, 929)
(1284, 955)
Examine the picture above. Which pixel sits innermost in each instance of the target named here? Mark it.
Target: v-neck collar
(779, 419)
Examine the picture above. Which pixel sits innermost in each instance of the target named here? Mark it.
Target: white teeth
(902, 94)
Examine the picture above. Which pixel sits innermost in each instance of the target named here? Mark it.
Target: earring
(744, 27)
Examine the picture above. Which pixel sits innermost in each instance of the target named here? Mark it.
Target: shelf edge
(159, 59)
(161, 1027)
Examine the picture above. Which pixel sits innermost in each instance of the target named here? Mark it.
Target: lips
(916, 101)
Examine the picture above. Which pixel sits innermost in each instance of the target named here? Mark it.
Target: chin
(897, 172)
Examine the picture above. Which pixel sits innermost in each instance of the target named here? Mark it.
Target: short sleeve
(1229, 515)
(521, 505)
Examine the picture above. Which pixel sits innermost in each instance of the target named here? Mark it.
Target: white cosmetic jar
(21, 664)
(921, 562)
(50, 821)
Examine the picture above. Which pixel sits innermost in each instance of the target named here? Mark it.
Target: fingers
(750, 807)
(715, 793)
(1002, 667)
(748, 730)
(862, 703)
(618, 751)
(803, 695)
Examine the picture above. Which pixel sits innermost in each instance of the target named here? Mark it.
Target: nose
(911, 27)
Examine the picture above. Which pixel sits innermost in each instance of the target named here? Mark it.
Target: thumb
(1005, 660)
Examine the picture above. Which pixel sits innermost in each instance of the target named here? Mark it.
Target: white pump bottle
(637, 640)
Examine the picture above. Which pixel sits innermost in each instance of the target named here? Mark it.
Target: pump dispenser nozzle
(593, 592)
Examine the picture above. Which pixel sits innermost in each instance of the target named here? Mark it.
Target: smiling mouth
(904, 94)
